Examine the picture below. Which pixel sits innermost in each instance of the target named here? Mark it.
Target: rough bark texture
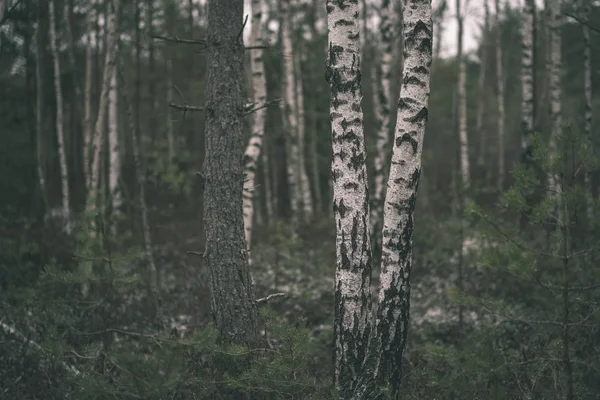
(232, 294)
(64, 172)
(394, 290)
(481, 89)
(462, 101)
(109, 63)
(587, 90)
(384, 98)
(114, 172)
(350, 196)
(527, 80)
(500, 94)
(259, 91)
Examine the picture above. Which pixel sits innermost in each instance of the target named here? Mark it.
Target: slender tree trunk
(137, 95)
(307, 203)
(88, 118)
(39, 114)
(114, 147)
(587, 89)
(387, 13)
(462, 101)
(500, 93)
(350, 196)
(528, 80)
(394, 290)
(64, 172)
(151, 73)
(267, 182)
(253, 151)
(481, 89)
(170, 134)
(289, 114)
(233, 303)
(140, 177)
(555, 72)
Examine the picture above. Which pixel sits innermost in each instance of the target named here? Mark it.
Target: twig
(269, 297)
(179, 40)
(266, 104)
(195, 253)
(10, 10)
(582, 22)
(242, 30)
(185, 107)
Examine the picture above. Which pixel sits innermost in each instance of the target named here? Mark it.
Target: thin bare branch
(269, 297)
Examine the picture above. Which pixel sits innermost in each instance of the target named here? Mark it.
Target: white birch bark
(289, 113)
(350, 195)
(405, 170)
(114, 172)
(64, 173)
(109, 64)
(481, 87)
(500, 98)
(462, 100)
(253, 150)
(527, 79)
(307, 204)
(88, 123)
(388, 18)
(555, 71)
(587, 90)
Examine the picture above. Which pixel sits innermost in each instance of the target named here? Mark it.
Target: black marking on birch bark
(357, 161)
(410, 140)
(410, 79)
(355, 122)
(351, 185)
(340, 208)
(420, 117)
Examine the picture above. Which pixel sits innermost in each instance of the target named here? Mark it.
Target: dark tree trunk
(233, 304)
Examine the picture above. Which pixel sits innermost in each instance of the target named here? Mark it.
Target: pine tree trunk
(64, 173)
(232, 294)
(88, 118)
(462, 101)
(398, 223)
(39, 114)
(350, 196)
(140, 177)
(481, 89)
(500, 93)
(290, 122)
(113, 147)
(383, 113)
(528, 80)
(587, 89)
(255, 145)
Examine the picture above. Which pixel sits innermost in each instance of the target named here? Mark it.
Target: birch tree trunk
(289, 113)
(350, 196)
(109, 64)
(587, 89)
(528, 80)
(88, 124)
(462, 101)
(500, 93)
(64, 173)
(307, 203)
(384, 97)
(253, 150)
(232, 293)
(113, 147)
(481, 88)
(398, 223)
(39, 113)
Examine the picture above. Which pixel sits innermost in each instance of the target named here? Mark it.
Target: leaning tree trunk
(528, 80)
(253, 150)
(64, 172)
(398, 222)
(481, 89)
(232, 294)
(587, 90)
(462, 101)
(387, 14)
(350, 196)
(500, 93)
(114, 173)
